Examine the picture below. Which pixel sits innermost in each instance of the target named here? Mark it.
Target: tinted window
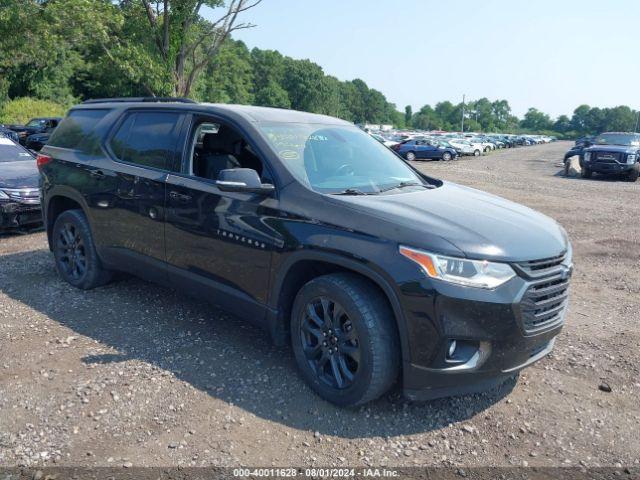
(147, 138)
(76, 130)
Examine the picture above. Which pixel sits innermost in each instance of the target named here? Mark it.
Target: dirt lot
(132, 374)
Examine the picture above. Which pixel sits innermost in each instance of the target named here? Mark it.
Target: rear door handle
(179, 197)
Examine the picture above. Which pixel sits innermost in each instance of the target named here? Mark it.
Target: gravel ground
(135, 375)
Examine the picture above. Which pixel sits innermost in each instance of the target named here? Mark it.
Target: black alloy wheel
(330, 343)
(72, 256)
(75, 254)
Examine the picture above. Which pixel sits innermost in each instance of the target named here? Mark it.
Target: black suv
(613, 152)
(374, 272)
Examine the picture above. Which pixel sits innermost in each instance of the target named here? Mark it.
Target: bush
(21, 110)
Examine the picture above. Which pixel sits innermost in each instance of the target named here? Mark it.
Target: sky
(551, 55)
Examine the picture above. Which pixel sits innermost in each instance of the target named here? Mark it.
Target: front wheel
(411, 156)
(344, 339)
(446, 156)
(586, 173)
(633, 174)
(75, 255)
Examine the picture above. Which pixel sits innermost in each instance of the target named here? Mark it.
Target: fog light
(451, 351)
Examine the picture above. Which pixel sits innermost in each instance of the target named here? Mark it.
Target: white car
(384, 141)
(464, 147)
(486, 146)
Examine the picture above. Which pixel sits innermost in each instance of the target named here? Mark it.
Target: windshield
(37, 122)
(628, 139)
(10, 152)
(337, 159)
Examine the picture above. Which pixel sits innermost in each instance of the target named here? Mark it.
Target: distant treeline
(54, 53)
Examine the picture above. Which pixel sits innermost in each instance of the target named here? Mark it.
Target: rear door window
(147, 139)
(76, 131)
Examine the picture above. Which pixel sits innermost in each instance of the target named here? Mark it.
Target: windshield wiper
(353, 191)
(406, 184)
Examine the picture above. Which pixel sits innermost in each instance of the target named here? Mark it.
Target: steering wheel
(346, 169)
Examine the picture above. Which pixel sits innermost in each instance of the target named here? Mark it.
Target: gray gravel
(135, 375)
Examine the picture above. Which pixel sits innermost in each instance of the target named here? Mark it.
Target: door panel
(219, 244)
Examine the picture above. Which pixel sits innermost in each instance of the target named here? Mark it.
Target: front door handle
(179, 197)
(97, 173)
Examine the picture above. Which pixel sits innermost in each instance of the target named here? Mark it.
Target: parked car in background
(578, 148)
(465, 147)
(424, 150)
(19, 193)
(487, 146)
(384, 141)
(373, 271)
(36, 141)
(613, 153)
(8, 133)
(35, 125)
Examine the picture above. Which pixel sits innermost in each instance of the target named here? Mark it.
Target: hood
(612, 148)
(19, 174)
(480, 225)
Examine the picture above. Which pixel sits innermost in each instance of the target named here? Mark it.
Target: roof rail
(139, 99)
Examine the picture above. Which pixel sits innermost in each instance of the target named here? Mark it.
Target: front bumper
(513, 327)
(612, 168)
(17, 215)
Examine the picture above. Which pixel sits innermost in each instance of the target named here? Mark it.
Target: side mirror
(242, 180)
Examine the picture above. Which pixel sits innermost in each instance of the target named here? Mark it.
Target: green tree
(536, 121)
(408, 115)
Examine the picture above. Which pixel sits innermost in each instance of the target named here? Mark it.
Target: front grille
(545, 300)
(608, 157)
(539, 268)
(544, 303)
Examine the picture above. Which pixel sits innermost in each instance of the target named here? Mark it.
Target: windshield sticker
(289, 155)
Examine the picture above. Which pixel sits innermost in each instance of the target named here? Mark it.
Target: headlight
(461, 271)
(587, 156)
(631, 158)
(3, 196)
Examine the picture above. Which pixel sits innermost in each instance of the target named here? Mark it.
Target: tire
(360, 321)
(586, 173)
(75, 254)
(633, 174)
(411, 156)
(477, 153)
(446, 156)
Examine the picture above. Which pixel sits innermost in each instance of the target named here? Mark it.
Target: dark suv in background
(613, 152)
(374, 272)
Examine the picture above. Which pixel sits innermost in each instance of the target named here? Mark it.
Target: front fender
(358, 265)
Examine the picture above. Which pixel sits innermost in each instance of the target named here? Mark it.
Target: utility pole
(462, 120)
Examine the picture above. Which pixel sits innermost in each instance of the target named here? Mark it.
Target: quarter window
(76, 131)
(148, 139)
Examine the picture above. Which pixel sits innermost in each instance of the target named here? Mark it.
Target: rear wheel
(75, 254)
(477, 153)
(411, 156)
(586, 173)
(344, 339)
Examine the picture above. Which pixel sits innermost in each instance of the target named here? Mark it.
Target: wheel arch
(302, 267)
(60, 201)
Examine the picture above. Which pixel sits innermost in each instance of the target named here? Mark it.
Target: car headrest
(221, 142)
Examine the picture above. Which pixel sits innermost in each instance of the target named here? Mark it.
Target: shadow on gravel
(229, 359)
